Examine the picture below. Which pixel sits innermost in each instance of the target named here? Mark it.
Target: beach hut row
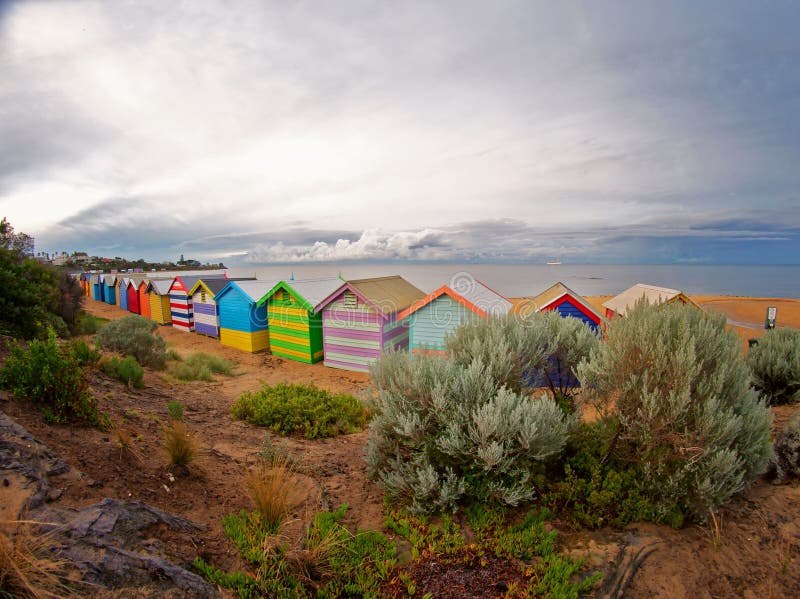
(346, 324)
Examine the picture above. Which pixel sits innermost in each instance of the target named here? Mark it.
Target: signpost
(772, 316)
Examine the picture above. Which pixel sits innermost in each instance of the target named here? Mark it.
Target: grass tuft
(273, 486)
(200, 367)
(180, 445)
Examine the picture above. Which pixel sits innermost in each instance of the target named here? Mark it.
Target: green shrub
(539, 350)
(84, 354)
(125, 369)
(675, 382)
(442, 432)
(289, 409)
(775, 364)
(175, 410)
(52, 378)
(786, 461)
(87, 324)
(134, 336)
(200, 367)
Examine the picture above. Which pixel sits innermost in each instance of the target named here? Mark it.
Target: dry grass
(125, 443)
(273, 485)
(312, 563)
(27, 568)
(181, 446)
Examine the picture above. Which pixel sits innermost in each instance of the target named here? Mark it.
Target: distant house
(158, 295)
(620, 304)
(444, 310)
(242, 321)
(360, 323)
(560, 298)
(204, 305)
(295, 328)
(180, 301)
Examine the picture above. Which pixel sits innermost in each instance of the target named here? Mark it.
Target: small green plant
(775, 364)
(291, 409)
(174, 355)
(134, 336)
(181, 446)
(175, 410)
(89, 324)
(327, 561)
(84, 354)
(200, 367)
(51, 377)
(126, 370)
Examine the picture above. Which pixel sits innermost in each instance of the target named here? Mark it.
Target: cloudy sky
(291, 131)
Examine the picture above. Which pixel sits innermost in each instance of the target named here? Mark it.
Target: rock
(113, 544)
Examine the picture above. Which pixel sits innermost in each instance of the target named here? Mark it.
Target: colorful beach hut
(560, 298)
(620, 304)
(359, 320)
(110, 289)
(295, 327)
(204, 305)
(122, 292)
(144, 299)
(441, 312)
(158, 292)
(132, 293)
(242, 322)
(180, 302)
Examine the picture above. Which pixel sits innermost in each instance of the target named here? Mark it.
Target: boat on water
(553, 262)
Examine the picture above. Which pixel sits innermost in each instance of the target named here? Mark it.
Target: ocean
(521, 280)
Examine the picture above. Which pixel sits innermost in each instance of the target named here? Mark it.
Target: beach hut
(295, 327)
(144, 299)
(132, 293)
(122, 292)
(158, 292)
(110, 289)
(359, 320)
(620, 304)
(242, 322)
(204, 305)
(98, 288)
(180, 302)
(560, 298)
(441, 312)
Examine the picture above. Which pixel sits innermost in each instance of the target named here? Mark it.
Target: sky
(258, 132)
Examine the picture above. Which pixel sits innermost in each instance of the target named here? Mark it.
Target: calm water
(518, 280)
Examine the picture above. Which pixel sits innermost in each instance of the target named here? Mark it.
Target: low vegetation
(126, 370)
(672, 384)
(180, 445)
(443, 433)
(200, 367)
(272, 483)
(301, 409)
(775, 364)
(786, 461)
(52, 376)
(134, 336)
(88, 324)
(175, 410)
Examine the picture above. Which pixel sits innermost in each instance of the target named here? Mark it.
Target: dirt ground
(755, 554)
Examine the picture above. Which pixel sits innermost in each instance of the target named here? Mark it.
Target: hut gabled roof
(476, 297)
(552, 296)
(160, 286)
(626, 300)
(385, 295)
(215, 285)
(253, 290)
(309, 292)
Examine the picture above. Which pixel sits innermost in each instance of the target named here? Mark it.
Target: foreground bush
(289, 409)
(200, 367)
(442, 432)
(673, 382)
(786, 461)
(775, 364)
(539, 350)
(126, 370)
(134, 336)
(52, 377)
(88, 324)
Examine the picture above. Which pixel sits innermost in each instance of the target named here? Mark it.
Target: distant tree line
(34, 297)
